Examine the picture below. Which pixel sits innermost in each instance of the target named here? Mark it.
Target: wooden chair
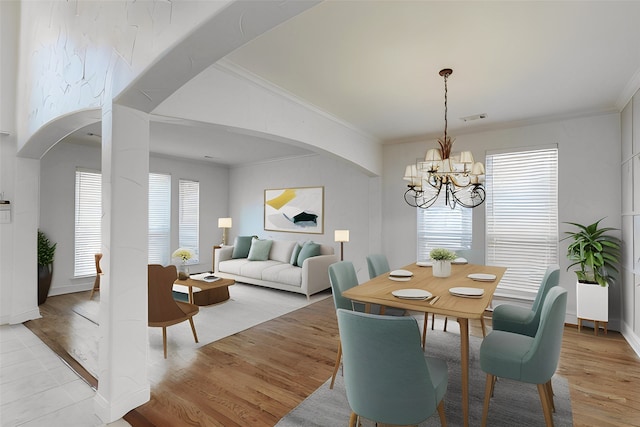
(163, 309)
(96, 284)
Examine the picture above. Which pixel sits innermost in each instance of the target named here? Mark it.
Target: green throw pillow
(309, 249)
(259, 250)
(294, 254)
(241, 247)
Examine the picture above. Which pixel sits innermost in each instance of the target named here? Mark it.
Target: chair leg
(433, 320)
(493, 386)
(353, 420)
(443, 418)
(193, 329)
(488, 391)
(445, 323)
(424, 331)
(164, 340)
(550, 394)
(484, 327)
(546, 408)
(335, 368)
(96, 286)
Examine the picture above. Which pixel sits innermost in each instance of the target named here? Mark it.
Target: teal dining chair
(532, 360)
(387, 377)
(377, 264)
(522, 320)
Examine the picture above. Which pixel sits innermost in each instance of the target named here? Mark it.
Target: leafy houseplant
(594, 251)
(46, 253)
(442, 261)
(183, 255)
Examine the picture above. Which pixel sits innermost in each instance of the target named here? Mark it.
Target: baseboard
(631, 337)
(14, 319)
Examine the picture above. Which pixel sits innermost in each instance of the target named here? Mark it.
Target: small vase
(441, 268)
(183, 272)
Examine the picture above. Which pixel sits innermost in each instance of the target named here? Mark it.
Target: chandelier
(456, 174)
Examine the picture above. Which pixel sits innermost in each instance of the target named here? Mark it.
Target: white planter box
(592, 302)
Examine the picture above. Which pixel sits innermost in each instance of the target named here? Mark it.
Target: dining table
(464, 304)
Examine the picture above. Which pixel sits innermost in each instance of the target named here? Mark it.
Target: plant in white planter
(597, 254)
(442, 261)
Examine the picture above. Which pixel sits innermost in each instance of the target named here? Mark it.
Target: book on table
(205, 277)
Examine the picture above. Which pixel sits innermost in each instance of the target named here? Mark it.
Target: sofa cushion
(294, 254)
(259, 250)
(309, 249)
(254, 269)
(241, 246)
(281, 250)
(283, 273)
(232, 266)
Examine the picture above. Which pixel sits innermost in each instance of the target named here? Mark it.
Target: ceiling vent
(475, 117)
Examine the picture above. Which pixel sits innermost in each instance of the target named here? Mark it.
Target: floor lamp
(341, 236)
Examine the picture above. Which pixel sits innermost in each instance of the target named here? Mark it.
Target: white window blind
(189, 217)
(159, 218)
(439, 226)
(88, 214)
(522, 218)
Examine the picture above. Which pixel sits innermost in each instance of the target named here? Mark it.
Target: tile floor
(38, 389)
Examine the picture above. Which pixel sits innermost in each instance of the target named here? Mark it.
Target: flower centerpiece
(184, 255)
(442, 261)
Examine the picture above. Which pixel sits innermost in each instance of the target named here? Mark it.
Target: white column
(122, 379)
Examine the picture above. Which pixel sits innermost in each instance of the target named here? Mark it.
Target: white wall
(589, 185)
(349, 203)
(57, 203)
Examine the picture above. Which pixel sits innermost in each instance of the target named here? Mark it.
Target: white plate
(400, 279)
(411, 293)
(467, 292)
(459, 261)
(482, 277)
(401, 273)
(424, 264)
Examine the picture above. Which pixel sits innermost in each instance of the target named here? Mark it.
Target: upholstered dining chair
(163, 309)
(528, 359)
(522, 320)
(387, 377)
(96, 283)
(377, 265)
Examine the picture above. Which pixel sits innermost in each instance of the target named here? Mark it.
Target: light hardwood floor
(257, 376)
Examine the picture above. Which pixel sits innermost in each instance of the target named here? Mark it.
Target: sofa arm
(315, 273)
(221, 254)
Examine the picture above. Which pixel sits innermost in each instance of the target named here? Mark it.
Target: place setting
(466, 292)
(412, 294)
(482, 277)
(400, 275)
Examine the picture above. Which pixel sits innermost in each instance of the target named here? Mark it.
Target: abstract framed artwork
(294, 210)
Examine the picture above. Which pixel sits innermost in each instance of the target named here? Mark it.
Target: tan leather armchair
(163, 309)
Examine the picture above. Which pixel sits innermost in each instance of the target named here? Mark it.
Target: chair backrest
(385, 372)
(541, 361)
(377, 264)
(551, 278)
(98, 257)
(342, 276)
(162, 306)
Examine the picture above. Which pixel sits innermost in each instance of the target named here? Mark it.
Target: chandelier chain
(445, 106)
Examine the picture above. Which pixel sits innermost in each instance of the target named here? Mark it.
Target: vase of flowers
(442, 261)
(182, 255)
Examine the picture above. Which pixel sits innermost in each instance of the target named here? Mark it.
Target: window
(159, 218)
(189, 217)
(88, 215)
(439, 226)
(522, 218)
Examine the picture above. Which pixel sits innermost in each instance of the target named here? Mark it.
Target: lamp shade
(433, 154)
(478, 169)
(224, 222)
(466, 157)
(341, 235)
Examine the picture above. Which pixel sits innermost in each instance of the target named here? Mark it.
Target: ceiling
(375, 65)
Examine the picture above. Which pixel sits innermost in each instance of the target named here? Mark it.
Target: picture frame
(294, 210)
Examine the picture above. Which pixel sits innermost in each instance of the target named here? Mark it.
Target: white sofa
(277, 272)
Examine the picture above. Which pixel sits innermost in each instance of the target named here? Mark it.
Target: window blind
(439, 226)
(88, 214)
(159, 218)
(189, 217)
(522, 218)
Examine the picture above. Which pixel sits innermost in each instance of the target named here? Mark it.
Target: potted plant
(46, 252)
(442, 261)
(183, 255)
(597, 255)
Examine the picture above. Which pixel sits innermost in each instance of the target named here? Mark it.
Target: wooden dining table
(379, 291)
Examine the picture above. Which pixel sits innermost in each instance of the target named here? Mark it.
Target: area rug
(513, 404)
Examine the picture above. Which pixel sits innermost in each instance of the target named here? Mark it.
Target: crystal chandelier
(456, 174)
